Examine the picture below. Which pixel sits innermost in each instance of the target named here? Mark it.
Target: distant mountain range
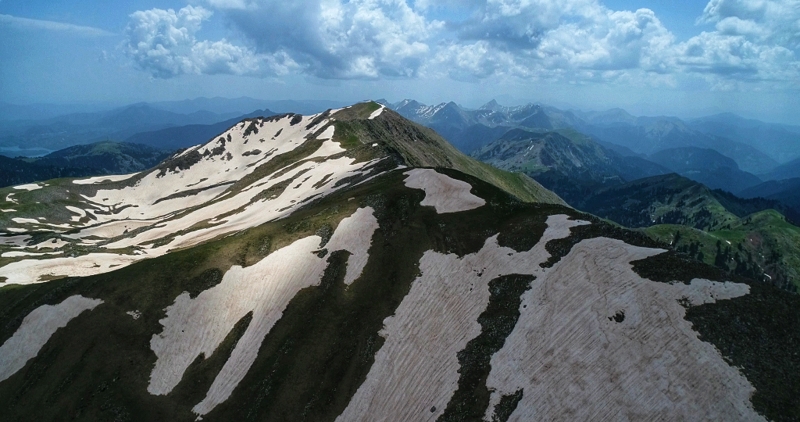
(178, 137)
(471, 129)
(565, 161)
(84, 128)
(706, 166)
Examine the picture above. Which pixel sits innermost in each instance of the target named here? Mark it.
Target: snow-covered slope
(202, 193)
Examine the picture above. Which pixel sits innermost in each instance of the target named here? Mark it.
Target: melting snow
(29, 187)
(443, 192)
(566, 353)
(648, 365)
(20, 220)
(376, 113)
(14, 240)
(18, 254)
(36, 330)
(417, 367)
(104, 179)
(197, 326)
(30, 271)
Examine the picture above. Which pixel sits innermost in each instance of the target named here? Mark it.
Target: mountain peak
(491, 105)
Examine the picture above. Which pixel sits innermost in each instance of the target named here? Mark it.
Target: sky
(684, 57)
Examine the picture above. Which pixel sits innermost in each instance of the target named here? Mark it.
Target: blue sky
(648, 56)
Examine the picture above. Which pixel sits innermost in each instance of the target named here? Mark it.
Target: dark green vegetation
(105, 157)
(744, 236)
(757, 332)
(762, 246)
(17, 172)
(97, 159)
(786, 191)
(417, 146)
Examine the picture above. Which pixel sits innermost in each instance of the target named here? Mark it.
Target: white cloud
(568, 40)
(576, 39)
(339, 39)
(163, 43)
(753, 40)
(37, 24)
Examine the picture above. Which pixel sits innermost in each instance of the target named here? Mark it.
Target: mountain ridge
(345, 266)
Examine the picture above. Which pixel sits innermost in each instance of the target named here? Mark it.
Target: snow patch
(29, 187)
(416, 370)
(29, 271)
(104, 179)
(190, 201)
(376, 113)
(18, 254)
(20, 220)
(81, 213)
(328, 133)
(51, 244)
(597, 342)
(197, 326)
(443, 192)
(9, 210)
(15, 240)
(36, 330)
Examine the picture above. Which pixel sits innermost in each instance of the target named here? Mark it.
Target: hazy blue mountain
(16, 112)
(186, 136)
(784, 171)
(105, 157)
(786, 191)
(648, 135)
(567, 162)
(637, 135)
(780, 142)
(606, 117)
(83, 128)
(470, 129)
(706, 166)
(96, 159)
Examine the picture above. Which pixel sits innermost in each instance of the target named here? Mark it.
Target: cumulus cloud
(576, 40)
(163, 42)
(752, 40)
(774, 21)
(338, 39)
(557, 39)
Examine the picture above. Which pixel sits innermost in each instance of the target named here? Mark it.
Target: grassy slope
(762, 246)
(430, 150)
